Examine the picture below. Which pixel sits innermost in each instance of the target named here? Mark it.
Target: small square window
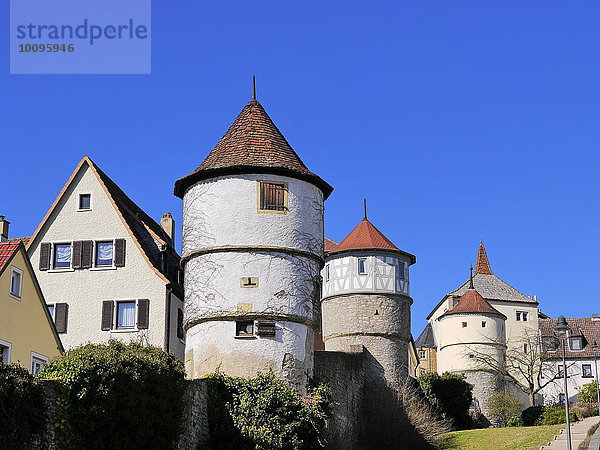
(422, 354)
(327, 272)
(576, 343)
(464, 324)
(561, 371)
(16, 282)
(37, 363)
(85, 201)
(273, 196)
(62, 256)
(104, 253)
(244, 329)
(586, 371)
(4, 352)
(362, 266)
(125, 315)
(483, 324)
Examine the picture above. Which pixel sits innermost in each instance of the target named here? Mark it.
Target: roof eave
(183, 183)
(413, 258)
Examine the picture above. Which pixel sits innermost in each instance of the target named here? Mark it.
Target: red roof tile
(330, 246)
(7, 251)
(25, 240)
(252, 144)
(583, 326)
(472, 302)
(365, 236)
(483, 263)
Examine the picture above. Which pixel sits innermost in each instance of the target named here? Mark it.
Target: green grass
(513, 438)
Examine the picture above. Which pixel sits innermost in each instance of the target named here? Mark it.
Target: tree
(451, 395)
(527, 363)
(504, 406)
(588, 393)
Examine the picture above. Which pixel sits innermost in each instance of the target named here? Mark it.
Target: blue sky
(456, 120)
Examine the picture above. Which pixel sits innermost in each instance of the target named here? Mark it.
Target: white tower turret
(252, 251)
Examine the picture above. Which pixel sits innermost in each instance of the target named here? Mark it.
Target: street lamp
(594, 351)
(562, 327)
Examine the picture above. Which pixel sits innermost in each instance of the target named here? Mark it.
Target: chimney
(168, 224)
(596, 317)
(3, 229)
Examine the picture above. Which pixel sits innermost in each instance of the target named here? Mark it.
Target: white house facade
(107, 270)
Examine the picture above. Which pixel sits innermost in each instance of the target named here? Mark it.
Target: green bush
(451, 395)
(530, 416)
(22, 408)
(118, 396)
(588, 393)
(504, 406)
(554, 415)
(264, 413)
(515, 421)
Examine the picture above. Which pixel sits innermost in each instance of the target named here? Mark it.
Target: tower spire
(483, 263)
(253, 87)
(365, 208)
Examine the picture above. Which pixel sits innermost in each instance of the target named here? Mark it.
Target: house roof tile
(252, 144)
(7, 251)
(471, 302)
(587, 327)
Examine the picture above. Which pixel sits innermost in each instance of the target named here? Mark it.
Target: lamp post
(594, 351)
(562, 327)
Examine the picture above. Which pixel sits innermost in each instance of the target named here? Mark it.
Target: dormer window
(576, 343)
(85, 202)
(273, 196)
(362, 266)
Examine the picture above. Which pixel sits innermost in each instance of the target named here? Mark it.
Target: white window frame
(522, 316)
(79, 209)
(583, 375)
(94, 250)
(573, 339)
(18, 271)
(327, 274)
(8, 347)
(245, 336)
(116, 315)
(39, 357)
(422, 354)
(358, 260)
(53, 313)
(53, 245)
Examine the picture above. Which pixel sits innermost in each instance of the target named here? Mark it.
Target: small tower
(252, 251)
(366, 301)
(471, 331)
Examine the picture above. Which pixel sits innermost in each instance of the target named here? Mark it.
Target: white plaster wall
(382, 274)
(575, 379)
(224, 211)
(455, 343)
(85, 289)
(212, 346)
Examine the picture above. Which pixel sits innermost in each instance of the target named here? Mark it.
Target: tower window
(483, 324)
(401, 270)
(244, 329)
(273, 196)
(327, 272)
(362, 266)
(522, 316)
(464, 324)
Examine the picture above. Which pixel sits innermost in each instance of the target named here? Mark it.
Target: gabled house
(108, 270)
(27, 333)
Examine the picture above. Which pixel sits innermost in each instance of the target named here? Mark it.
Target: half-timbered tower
(252, 251)
(366, 300)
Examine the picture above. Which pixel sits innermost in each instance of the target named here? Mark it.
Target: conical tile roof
(473, 303)
(252, 144)
(483, 263)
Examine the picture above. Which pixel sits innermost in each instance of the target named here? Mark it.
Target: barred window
(273, 196)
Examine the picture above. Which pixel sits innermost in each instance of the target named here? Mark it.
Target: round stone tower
(469, 334)
(366, 302)
(252, 251)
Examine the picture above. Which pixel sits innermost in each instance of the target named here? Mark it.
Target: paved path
(595, 443)
(579, 432)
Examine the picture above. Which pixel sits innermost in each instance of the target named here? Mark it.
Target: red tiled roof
(586, 326)
(330, 246)
(252, 144)
(365, 236)
(25, 240)
(473, 302)
(7, 251)
(483, 263)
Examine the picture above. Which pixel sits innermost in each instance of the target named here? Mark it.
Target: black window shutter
(45, 256)
(143, 310)
(76, 257)
(179, 323)
(107, 314)
(61, 312)
(87, 251)
(119, 252)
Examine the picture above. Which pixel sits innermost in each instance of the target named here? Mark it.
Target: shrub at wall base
(22, 408)
(451, 395)
(117, 395)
